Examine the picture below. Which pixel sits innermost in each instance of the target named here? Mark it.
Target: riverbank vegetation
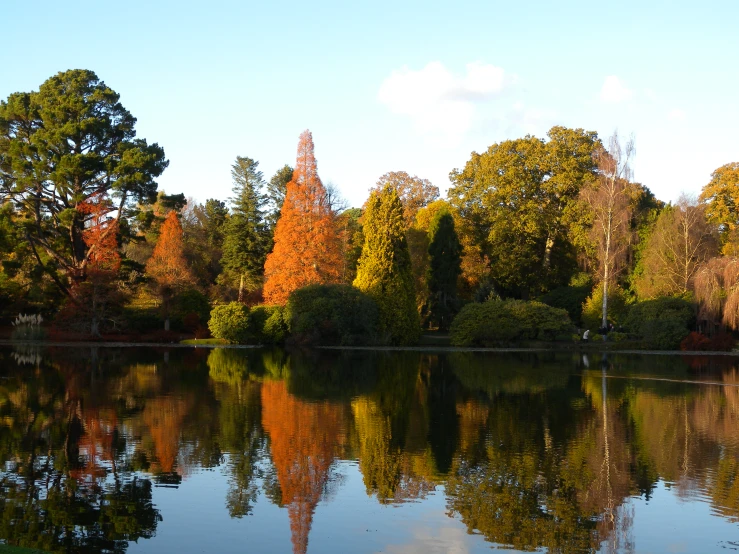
(537, 239)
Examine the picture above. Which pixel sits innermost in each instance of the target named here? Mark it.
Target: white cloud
(676, 115)
(614, 90)
(441, 105)
(650, 94)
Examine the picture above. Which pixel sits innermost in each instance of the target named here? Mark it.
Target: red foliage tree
(93, 292)
(167, 265)
(307, 248)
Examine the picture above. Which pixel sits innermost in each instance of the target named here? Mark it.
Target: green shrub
(569, 298)
(617, 337)
(141, 319)
(662, 322)
(592, 309)
(275, 329)
(332, 315)
(267, 324)
(230, 322)
(499, 322)
(187, 306)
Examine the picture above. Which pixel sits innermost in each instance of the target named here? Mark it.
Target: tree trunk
(548, 252)
(241, 288)
(606, 273)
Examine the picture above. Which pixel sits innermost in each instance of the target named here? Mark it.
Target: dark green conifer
(445, 261)
(246, 237)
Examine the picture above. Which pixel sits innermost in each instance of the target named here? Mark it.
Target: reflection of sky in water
(196, 520)
(667, 523)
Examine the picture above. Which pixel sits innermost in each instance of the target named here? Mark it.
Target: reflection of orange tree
(56, 494)
(305, 438)
(96, 447)
(164, 416)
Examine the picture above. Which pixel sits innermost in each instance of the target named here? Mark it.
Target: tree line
(86, 237)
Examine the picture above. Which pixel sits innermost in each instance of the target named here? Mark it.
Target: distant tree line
(86, 237)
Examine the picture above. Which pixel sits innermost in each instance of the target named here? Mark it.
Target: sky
(393, 85)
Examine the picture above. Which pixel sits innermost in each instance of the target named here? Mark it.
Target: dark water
(147, 450)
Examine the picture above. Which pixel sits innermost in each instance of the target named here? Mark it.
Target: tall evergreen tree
(307, 248)
(384, 270)
(276, 191)
(445, 260)
(67, 143)
(246, 237)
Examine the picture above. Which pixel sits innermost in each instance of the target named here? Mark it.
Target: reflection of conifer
(304, 440)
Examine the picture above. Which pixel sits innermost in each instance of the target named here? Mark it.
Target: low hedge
(237, 323)
(662, 323)
(330, 315)
(501, 322)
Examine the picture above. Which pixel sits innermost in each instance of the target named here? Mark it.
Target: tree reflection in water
(533, 450)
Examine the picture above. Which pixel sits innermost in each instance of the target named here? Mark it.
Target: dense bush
(332, 315)
(141, 320)
(722, 342)
(230, 322)
(258, 325)
(190, 309)
(695, 342)
(569, 298)
(267, 324)
(592, 309)
(499, 322)
(662, 323)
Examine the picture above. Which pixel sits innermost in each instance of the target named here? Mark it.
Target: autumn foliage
(167, 264)
(307, 249)
(93, 293)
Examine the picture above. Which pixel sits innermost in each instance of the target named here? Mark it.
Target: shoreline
(436, 349)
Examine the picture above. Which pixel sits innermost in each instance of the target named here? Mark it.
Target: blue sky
(389, 86)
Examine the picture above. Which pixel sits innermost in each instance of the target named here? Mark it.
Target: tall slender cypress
(445, 262)
(384, 270)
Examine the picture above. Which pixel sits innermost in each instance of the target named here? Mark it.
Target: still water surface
(149, 450)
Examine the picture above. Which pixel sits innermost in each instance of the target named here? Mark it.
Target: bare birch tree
(609, 203)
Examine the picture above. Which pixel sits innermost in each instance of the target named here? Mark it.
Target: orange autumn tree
(307, 248)
(167, 265)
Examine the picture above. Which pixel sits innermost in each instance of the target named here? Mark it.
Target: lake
(231, 450)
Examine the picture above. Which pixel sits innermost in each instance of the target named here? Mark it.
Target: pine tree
(384, 270)
(445, 261)
(246, 237)
(167, 265)
(276, 190)
(307, 248)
